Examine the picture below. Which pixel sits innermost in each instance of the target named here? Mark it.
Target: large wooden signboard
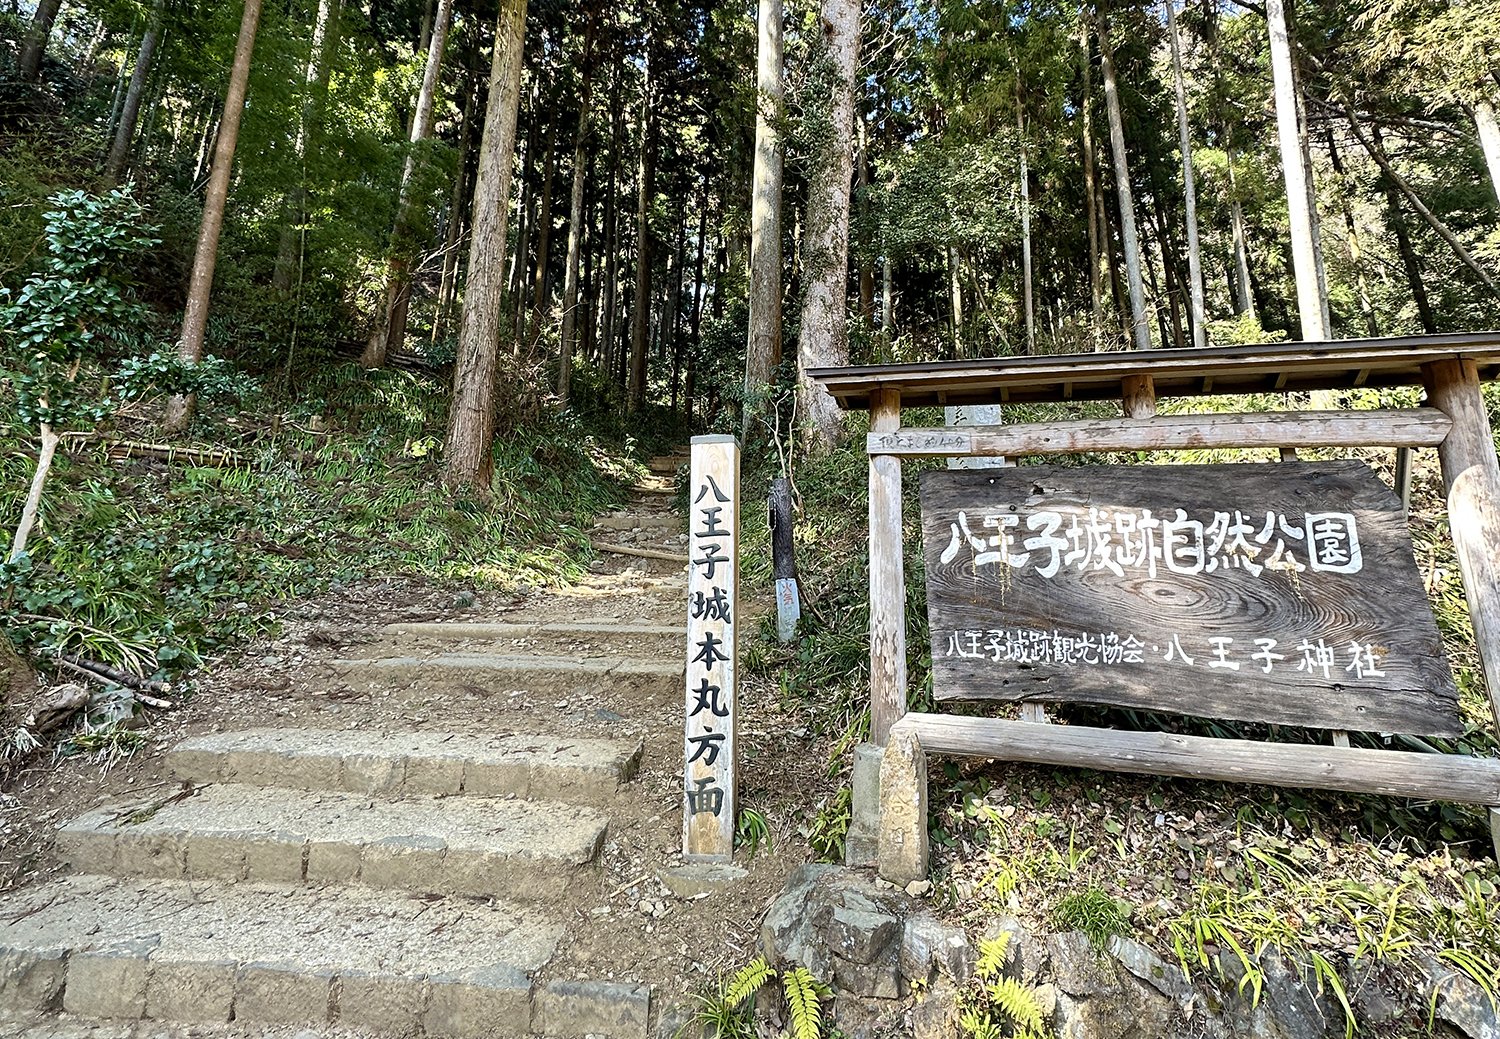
(1281, 593)
(708, 796)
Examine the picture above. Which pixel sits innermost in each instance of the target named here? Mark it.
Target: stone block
(199, 766)
(862, 842)
(478, 1004)
(310, 772)
(32, 979)
(276, 993)
(936, 1016)
(221, 856)
(383, 1002)
(497, 778)
(433, 775)
(333, 862)
(903, 810)
(466, 871)
(257, 766)
(109, 982)
(86, 850)
(569, 1008)
(860, 936)
(378, 775)
(1152, 969)
(701, 878)
(410, 863)
(275, 858)
(191, 992)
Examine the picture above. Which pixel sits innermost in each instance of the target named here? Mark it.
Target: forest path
(456, 831)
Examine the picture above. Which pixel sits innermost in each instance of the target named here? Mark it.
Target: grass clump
(1095, 913)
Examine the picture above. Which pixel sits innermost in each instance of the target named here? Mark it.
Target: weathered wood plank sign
(708, 811)
(1282, 593)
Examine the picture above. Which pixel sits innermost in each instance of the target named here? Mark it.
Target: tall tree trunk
(119, 149)
(1244, 297)
(1356, 250)
(389, 332)
(1376, 151)
(887, 306)
(575, 219)
(30, 65)
(866, 262)
(824, 338)
(640, 317)
(309, 126)
(539, 288)
(1189, 188)
(763, 351)
(471, 417)
(1140, 323)
(955, 303)
(1096, 264)
(1026, 302)
(1489, 140)
(453, 233)
(1294, 173)
(195, 318)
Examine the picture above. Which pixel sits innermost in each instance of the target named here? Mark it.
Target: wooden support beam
(1392, 773)
(1400, 427)
(1471, 475)
(1138, 396)
(887, 575)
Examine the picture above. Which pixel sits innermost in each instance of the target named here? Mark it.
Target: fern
(803, 992)
(978, 1025)
(1019, 1003)
(992, 954)
(747, 982)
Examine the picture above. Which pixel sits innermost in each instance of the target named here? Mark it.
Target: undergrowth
(149, 563)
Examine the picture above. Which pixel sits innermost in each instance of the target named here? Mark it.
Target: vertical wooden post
(1138, 396)
(887, 576)
(1471, 476)
(709, 773)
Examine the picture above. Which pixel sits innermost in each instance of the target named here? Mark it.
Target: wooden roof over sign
(1051, 378)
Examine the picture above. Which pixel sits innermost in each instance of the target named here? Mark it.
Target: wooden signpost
(1285, 594)
(1043, 588)
(708, 810)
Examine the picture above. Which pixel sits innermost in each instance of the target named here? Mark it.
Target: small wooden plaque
(1283, 593)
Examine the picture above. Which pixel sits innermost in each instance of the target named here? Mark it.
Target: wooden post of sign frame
(887, 577)
(1471, 476)
(709, 773)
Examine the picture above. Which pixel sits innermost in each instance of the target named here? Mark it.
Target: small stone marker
(708, 812)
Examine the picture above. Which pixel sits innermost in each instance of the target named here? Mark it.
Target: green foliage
(995, 1005)
(752, 831)
(117, 577)
(730, 1012)
(1095, 913)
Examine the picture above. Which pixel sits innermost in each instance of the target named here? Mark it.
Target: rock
(1288, 1006)
(861, 1018)
(936, 1015)
(903, 811)
(878, 979)
(1028, 957)
(861, 842)
(928, 945)
(1461, 1003)
(787, 934)
(1377, 994)
(860, 936)
(1152, 969)
(1079, 968)
(699, 878)
(918, 888)
(679, 1021)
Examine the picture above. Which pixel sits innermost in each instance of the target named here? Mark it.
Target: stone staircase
(397, 880)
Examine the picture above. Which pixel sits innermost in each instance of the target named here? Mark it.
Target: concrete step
(584, 639)
(204, 953)
(653, 520)
(411, 763)
(461, 846)
(533, 673)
